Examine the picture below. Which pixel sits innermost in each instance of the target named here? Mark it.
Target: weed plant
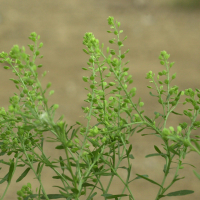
(93, 151)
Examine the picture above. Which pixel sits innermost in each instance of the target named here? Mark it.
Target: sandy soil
(151, 26)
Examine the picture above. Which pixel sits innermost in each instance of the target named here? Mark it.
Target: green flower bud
(171, 128)
(55, 106)
(162, 62)
(174, 76)
(74, 150)
(163, 53)
(110, 20)
(103, 140)
(87, 145)
(122, 56)
(179, 129)
(40, 45)
(141, 104)
(166, 132)
(166, 81)
(171, 64)
(20, 193)
(76, 140)
(112, 83)
(186, 142)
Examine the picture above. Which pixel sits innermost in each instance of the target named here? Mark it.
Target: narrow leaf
(180, 193)
(59, 147)
(157, 149)
(141, 130)
(196, 174)
(173, 151)
(87, 184)
(23, 174)
(153, 94)
(141, 176)
(168, 97)
(196, 143)
(176, 113)
(64, 194)
(129, 150)
(62, 163)
(91, 197)
(11, 169)
(138, 178)
(131, 156)
(110, 196)
(154, 154)
(148, 119)
(5, 178)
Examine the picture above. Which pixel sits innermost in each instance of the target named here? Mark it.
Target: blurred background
(151, 26)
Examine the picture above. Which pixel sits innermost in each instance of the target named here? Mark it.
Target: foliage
(92, 151)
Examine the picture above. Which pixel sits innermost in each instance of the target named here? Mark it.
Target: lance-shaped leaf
(148, 119)
(196, 174)
(11, 169)
(180, 193)
(148, 179)
(23, 174)
(91, 197)
(110, 196)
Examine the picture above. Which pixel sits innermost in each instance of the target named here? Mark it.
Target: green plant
(117, 116)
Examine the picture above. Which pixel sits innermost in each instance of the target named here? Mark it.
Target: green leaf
(196, 174)
(168, 96)
(2, 153)
(11, 169)
(67, 177)
(23, 174)
(62, 165)
(129, 150)
(148, 119)
(155, 154)
(85, 79)
(105, 174)
(59, 187)
(87, 185)
(85, 51)
(131, 156)
(157, 149)
(142, 176)
(39, 168)
(137, 178)
(64, 194)
(153, 94)
(141, 130)
(180, 193)
(59, 147)
(159, 114)
(50, 196)
(196, 143)
(5, 178)
(176, 113)
(173, 151)
(91, 197)
(110, 196)
(74, 190)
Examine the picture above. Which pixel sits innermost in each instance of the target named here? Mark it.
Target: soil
(151, 26)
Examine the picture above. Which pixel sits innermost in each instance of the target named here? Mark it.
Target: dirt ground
(151, 26)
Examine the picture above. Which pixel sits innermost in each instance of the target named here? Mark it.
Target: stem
(10, 179)
(168, 163)
(37, 176)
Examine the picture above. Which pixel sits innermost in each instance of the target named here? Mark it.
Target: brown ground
(151, 26)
